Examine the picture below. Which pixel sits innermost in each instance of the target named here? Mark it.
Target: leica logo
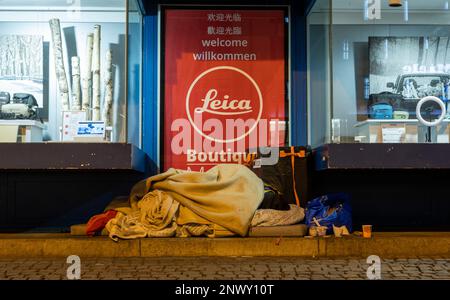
(213, 105)
(205, 105)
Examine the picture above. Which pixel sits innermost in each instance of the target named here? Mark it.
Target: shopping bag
(329, 210)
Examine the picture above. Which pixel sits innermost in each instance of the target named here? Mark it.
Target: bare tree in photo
(96, 74)
(87, 77)
(76, 87)
(21, 65)
(107, 105)
(59, 63)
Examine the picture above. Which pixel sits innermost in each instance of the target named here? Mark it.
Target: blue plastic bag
(329, 210)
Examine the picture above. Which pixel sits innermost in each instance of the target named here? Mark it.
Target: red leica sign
(224, 85)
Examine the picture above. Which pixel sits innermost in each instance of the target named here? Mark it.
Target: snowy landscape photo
(21, 65)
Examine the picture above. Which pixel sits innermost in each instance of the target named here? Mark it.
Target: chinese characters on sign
(224, 30)
(221, 30)
(221, 17)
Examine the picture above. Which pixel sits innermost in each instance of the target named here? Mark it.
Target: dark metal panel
(3, 198)
(149, 4)
(142, 6)
(309, 4)
(150, 80)
(58, 199)
(391, 200)
(299, 115)
(383, 156)
(69, 156)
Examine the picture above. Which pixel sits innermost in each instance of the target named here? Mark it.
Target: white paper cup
(313, 231)
(322, 231)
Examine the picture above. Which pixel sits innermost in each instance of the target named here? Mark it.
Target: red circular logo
(224, 94)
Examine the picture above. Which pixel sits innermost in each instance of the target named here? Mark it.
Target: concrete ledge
(58, 245)
(386, 245)
(230, 247)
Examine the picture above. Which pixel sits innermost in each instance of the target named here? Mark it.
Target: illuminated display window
(63, 70)
(369, 66)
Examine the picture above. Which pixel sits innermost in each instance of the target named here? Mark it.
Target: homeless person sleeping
(221, 202)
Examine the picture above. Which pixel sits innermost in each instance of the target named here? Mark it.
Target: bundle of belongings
(227, 200)
(284, 171)
(329, 214)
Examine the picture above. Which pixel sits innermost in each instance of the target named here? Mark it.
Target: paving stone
(226, 268)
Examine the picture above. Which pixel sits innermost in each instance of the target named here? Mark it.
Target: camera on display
(21, 106)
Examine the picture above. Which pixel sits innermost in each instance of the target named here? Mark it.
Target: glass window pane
(63, 56)
(383, 61)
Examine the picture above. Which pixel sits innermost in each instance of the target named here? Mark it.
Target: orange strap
(249, 159)
(292, 154)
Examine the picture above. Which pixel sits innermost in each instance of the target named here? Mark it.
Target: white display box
(33, 130)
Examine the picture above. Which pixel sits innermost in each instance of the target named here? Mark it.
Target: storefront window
(371, 64)
(63, 70)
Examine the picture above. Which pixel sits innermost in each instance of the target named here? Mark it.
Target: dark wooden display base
(50, 186)
(400, 187)
(71, 156)
(382, 156)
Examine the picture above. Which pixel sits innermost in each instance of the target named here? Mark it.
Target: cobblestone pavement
(230, 268)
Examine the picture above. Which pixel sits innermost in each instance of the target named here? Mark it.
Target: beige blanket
(219, 202)
(271, 217)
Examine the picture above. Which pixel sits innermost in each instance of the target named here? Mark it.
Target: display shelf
(382, 156)
(397, 121)
(384, 131)
(22, 123)
(71, 156)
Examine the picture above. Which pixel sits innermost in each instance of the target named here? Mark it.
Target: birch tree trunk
(96, 74)
(59, 63)
(17, 59)
(76, 88)
(107, 104)
(87, 77)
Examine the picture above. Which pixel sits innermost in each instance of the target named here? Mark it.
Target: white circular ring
(433, 99)
(188, 96)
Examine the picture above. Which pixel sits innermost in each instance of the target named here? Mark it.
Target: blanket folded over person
(219, 202)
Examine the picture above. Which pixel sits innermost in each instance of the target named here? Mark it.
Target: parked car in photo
(408, 89)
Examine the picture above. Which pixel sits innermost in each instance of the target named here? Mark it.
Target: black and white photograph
(21, 65)
(413, 67)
